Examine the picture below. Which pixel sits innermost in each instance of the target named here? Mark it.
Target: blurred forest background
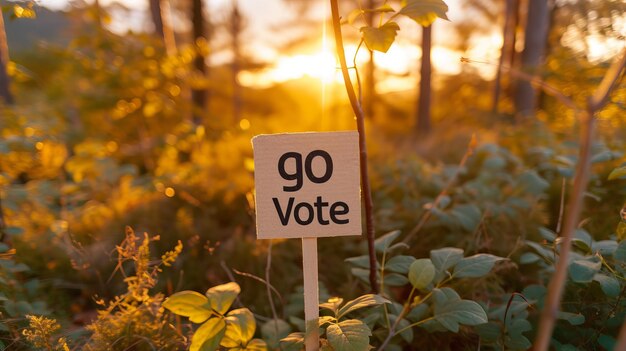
(116, 114)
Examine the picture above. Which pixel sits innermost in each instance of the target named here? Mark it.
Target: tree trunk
(507, 50)
(5, 92)
(157, 19)
(423, 104)
(535, 37)
(369, 93)
(198, 96)
(160, 14)
(235, 31)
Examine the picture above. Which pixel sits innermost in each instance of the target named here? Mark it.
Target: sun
(320, 65)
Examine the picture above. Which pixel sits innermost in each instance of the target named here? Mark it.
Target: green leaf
(424, 12)
(609, 285)
(605, 156)
(360, 261)
(421, 273)
(399, 264)
(475, 266)
(361, 302)
(240, 327)
(221, 297)
(604, 247)
(577, 243)
(606, 341)
(208, 336)
(395, 279)
(519, 326)
(274, 330)
(293, 342)
(445, 295)
(332, 304)
(532, 183)
(621, 231)
(529, 258)
(468, 216)
(547, 234)
(349, 335)
(583, 271)
(325, 320)
(444, 259)
(517, 342)
(381, 38)
(572, 318)
(381, 244)
(620, 253)
(189, 304)
(398, 247)
(458, 312)
(256, 345)
(618, 173)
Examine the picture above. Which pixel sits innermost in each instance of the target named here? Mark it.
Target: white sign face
(307, 185)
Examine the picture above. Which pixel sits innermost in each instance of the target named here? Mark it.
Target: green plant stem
(267, 286)
(557, 283)
(360, 122)
(415, 324)
(405, 310)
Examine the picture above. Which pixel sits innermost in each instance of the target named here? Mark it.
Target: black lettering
(319, 205)
(334, 212)
(308, 166)
(284, 218)
(296, 213)
(297, 176)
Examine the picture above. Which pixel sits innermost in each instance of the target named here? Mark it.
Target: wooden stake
(311, 294)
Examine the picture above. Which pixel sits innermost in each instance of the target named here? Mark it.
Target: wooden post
(311, 294)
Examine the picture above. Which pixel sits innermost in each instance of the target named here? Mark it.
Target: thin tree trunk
(370, 69)
(96, 4)
(157, 20)
(505, 51)
(575, 205)
(236, 28)
(7, 98)
(360, 124)
(423, 102)
(168, 32)
(5, 92)
(535, 37)
(198, 96)
(160, 14)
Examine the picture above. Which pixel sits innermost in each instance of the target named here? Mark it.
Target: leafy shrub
(136, 320)
(233, 330)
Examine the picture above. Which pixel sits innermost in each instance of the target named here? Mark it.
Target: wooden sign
(307, 185)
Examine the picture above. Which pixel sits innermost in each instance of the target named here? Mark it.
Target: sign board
(307, 185)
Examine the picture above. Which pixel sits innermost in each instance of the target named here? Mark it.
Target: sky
(267, 28)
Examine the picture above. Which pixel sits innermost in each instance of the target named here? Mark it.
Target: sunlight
(320, 65)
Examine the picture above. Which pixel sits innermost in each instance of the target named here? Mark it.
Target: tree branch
(557, 283)
(360, 122)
